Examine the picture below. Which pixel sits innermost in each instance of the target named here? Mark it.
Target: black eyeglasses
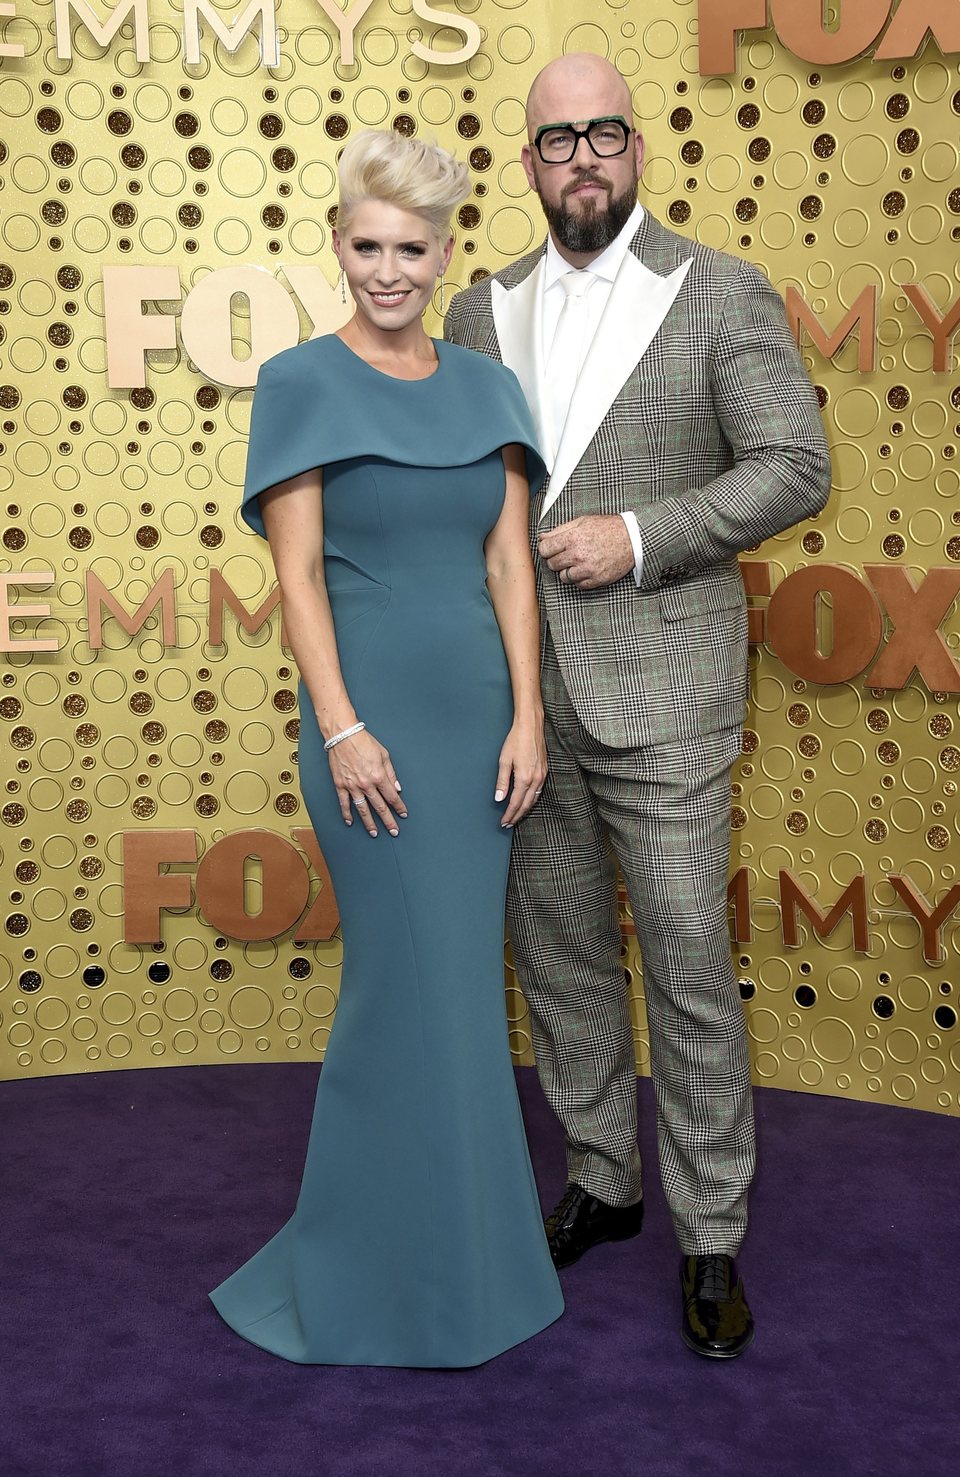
(556, 143)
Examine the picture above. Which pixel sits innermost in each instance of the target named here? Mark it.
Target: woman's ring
(360, 802)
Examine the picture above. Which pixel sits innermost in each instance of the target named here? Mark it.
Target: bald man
(680, 429)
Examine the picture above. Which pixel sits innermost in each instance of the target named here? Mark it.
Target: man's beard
(591, 229)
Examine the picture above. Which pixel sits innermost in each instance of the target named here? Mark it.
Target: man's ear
(526, 159)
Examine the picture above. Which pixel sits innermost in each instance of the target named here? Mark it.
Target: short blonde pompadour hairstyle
(380, 164)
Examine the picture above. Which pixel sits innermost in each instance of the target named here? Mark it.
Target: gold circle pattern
(229, 163)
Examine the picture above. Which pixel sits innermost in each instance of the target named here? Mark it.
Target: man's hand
(588, 552)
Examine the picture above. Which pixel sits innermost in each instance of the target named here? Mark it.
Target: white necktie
(567, 350)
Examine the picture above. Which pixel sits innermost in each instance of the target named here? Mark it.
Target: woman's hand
(365, 778)
(523, 759)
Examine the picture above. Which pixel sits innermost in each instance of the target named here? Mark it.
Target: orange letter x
(916, 612)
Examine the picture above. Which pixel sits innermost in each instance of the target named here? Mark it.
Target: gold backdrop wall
(163, 735)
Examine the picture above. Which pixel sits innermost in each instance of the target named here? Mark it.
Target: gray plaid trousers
(663, 812)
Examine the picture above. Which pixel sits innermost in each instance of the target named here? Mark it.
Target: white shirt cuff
(636, 543)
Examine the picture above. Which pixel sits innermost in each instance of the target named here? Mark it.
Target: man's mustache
(588, 177)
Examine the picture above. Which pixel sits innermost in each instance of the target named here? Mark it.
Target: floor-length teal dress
(417, 1238)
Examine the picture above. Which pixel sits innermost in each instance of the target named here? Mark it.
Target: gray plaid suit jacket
(715, 442)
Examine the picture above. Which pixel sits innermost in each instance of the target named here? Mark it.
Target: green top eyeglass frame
(556, 143)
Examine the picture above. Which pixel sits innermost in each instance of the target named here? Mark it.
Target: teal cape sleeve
(320, 403)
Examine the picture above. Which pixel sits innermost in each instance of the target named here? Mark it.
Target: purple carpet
(127, 1195)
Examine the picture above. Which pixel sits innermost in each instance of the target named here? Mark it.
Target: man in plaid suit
(680, 429)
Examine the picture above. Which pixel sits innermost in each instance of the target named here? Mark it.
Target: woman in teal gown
(390, 473)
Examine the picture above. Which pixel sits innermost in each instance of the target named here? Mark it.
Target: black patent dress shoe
(581, 1221)
(717, 1322)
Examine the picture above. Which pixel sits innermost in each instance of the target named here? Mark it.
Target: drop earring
(441, 294)
(343, 285)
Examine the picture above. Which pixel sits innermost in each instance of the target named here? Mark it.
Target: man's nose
(583, 155)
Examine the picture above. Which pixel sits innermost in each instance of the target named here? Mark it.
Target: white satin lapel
(518, 319)
(638, 303)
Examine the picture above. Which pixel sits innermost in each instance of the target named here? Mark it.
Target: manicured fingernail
(500, 794)
(394, 833)
(398, 784)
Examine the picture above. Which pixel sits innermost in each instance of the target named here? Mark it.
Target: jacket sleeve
(769, 415)
(453, 322)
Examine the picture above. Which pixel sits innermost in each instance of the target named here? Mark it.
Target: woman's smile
(388, 299)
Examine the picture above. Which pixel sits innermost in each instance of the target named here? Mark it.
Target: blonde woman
(389, 473)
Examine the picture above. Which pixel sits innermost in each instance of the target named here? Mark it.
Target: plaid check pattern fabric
(664, 812)
(715, 442)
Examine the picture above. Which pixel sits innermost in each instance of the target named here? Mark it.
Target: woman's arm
(360, 766)
(513, 593)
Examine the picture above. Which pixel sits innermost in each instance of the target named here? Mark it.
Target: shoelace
(569, 1203)
(713, 1279)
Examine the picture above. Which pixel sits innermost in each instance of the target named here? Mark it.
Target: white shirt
(604, 269)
